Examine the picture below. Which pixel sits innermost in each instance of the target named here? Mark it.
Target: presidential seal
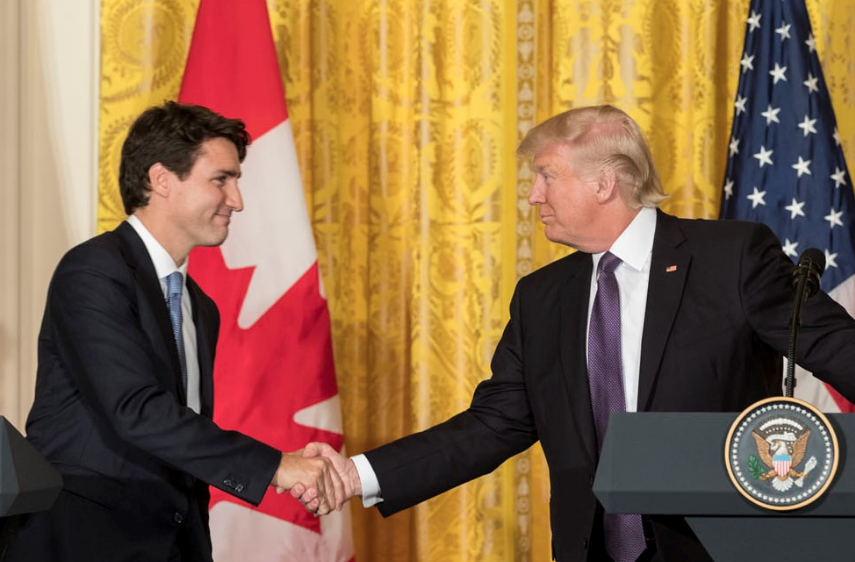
(781, 453)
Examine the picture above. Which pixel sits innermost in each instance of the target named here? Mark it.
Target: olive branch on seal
(755, 468)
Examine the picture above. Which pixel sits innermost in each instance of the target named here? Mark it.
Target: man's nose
(234, 199)
(535, 194)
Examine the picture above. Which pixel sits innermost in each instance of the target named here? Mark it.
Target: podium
(28, 482)
(673, 464)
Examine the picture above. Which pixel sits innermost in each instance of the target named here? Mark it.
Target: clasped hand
(318, 476)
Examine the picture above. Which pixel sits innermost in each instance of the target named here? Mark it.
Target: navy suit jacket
(715, 330)
(109, 414)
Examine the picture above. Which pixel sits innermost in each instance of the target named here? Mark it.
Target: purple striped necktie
(623, 532)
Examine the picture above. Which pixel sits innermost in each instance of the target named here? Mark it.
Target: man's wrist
(369, 486)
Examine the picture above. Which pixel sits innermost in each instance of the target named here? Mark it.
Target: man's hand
(342, 465)
(313, 472)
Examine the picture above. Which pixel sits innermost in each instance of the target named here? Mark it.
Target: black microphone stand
(807, 275)
(795, 323)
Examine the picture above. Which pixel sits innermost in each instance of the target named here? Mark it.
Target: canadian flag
(274, 376)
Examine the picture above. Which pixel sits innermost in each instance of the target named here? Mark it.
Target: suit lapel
(668, 269)
(574, 297)
(138, 259)
(204, 349)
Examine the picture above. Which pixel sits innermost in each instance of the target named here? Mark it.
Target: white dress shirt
(164, 265)
(634, 247)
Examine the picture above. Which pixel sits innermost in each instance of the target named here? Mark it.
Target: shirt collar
(163, 262)
(635, 244)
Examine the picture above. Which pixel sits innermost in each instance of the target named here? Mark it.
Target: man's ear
(159, 179)
(607, 186)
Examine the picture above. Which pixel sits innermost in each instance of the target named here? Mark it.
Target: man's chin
(549, 232)
(558, 238)
(215, 241)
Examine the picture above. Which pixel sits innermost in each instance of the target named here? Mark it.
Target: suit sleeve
(93, 319)
(497, 425)
(826, 343)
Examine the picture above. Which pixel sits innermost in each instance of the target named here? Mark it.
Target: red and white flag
(274, 376)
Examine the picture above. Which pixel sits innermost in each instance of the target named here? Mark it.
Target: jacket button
(591, 479)
(585, 544)
(178, 518)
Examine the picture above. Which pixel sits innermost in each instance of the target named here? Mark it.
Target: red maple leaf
(264, 375)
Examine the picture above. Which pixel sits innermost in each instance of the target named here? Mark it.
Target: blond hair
(602, 138)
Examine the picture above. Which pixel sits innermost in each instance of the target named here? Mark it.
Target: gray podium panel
(673, 464)
(28, 482)
(780, 539)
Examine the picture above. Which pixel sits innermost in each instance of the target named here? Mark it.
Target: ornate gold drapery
(406, 114)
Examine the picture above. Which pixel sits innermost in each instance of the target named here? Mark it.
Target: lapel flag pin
(671, 269)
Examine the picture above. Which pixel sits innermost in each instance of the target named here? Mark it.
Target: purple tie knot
(609, 263)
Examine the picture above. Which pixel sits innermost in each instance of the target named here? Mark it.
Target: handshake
(319, 477)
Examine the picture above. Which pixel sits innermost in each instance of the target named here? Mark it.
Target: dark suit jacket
(715, 330)
(109, 414)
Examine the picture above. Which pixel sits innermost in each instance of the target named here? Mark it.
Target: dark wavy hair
(172, 134)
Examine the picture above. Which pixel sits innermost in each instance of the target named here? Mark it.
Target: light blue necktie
(174, 285)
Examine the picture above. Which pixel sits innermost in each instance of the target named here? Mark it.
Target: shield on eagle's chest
(782, 463)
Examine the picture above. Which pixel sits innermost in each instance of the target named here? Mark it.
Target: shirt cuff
(370, 484)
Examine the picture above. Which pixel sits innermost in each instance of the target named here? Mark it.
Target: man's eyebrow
(229, 172)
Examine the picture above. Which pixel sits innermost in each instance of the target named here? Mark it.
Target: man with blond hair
(652, 313)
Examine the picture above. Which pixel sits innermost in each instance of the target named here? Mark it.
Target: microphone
(806, 283)
(811, 267)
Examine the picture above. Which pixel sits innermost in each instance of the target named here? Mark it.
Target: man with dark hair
(653, 313)
(171, 134)
(124, 395)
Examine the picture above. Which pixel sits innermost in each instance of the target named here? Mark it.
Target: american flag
(785, 165)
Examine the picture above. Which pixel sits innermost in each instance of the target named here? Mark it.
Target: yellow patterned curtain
(406, 114)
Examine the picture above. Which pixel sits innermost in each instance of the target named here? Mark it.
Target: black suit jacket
(109, 414)
(715, 329)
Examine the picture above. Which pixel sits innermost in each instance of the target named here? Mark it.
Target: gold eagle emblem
(781, 445)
